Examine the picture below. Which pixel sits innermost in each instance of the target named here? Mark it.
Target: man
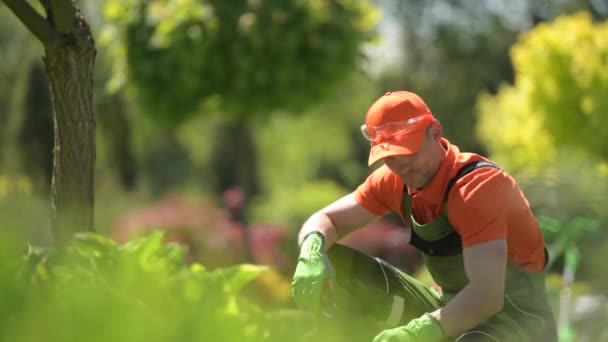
(478, 237)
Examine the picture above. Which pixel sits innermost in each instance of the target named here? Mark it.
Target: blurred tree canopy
(248, 57)
(559, 98)
(564, 68)
(243, 59)
(314, 158)
(450, 51)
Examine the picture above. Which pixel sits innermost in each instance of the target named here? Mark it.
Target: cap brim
(405, 145)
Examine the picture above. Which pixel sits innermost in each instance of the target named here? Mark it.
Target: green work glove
(422, 329)
(312, 274)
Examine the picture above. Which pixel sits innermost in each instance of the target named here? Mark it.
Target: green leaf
(237, 277)
(93, 245)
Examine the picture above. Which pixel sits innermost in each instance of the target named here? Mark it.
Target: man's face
(416, 170)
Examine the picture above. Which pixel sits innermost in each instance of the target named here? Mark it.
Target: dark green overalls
(382, 290)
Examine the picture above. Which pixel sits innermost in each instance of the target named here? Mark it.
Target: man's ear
(436, 130)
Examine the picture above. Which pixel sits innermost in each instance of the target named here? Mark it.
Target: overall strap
(450, 244)
(466, 169)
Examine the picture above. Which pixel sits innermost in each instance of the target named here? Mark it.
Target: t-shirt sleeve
(376, 193)
(479, 204)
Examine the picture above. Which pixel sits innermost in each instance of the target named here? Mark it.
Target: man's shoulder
(487, 181)
(459, 158)
(383, 171)
(464, 158)
(380, 191)
(470, 167)
(384, 177)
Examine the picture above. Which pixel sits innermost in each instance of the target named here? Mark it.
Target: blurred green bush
(293, 205)
(97, 290)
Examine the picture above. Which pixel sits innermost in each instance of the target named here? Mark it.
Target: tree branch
(47, 8)
(34, 22)
(46, 4)
(64, 12)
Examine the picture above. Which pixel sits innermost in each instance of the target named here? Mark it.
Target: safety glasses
(391, 130)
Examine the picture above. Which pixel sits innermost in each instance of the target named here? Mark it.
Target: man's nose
(381, 136)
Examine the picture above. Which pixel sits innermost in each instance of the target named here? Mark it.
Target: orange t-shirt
(484, 205)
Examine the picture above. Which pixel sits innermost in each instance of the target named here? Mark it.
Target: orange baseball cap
(398, 107)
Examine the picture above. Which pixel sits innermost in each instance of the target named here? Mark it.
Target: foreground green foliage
(143, 290)
(97, 290)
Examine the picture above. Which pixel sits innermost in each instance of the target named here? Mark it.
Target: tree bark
(70, 66)
(235, 168)
(234, 159)
(35, 138)
(116, 130)
(69, 59)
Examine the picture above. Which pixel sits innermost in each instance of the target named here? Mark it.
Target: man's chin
(413, 183)
(410, 183)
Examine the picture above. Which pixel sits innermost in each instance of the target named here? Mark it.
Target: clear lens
(365, 132)
(390, 129)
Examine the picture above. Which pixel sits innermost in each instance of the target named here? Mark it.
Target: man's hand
(422, 329)
(312, 272)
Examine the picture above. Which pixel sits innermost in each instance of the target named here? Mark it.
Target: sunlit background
(224, 124)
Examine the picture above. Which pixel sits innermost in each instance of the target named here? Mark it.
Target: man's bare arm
(485, 266)
(337, 220)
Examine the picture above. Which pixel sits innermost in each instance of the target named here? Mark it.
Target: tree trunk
(234, 159)
(69, 59)
(235, 168)
(115, 128)
(69, 66)
(35, 136)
